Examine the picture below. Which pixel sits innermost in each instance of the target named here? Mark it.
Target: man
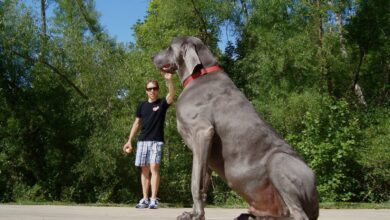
(151, 116)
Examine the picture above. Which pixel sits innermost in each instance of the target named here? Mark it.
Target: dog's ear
(190, 58)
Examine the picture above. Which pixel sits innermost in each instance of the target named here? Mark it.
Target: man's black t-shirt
(152, 119)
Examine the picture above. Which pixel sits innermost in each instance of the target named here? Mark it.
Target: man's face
(152, 91)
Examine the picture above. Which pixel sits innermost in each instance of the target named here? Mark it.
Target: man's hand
(127, 148)
(167, 76)
(171, 89)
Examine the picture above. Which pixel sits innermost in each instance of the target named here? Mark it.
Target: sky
(117, 17)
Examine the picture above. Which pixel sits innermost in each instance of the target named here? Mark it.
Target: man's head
(151, 87)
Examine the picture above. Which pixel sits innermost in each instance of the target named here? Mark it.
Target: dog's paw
(245, 216)
(189, 216)
(184, 216)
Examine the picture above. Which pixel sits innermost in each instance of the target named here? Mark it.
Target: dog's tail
(312, 209)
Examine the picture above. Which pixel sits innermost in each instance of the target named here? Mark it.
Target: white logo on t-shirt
(156, 108)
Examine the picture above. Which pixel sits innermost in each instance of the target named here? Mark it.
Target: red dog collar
(202, 72)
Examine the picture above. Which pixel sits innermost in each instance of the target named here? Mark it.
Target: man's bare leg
(145, 181)
(155, 180)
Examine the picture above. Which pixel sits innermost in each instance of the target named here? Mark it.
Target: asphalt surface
(49, 212)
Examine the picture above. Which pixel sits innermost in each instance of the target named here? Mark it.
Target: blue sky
(117, 17)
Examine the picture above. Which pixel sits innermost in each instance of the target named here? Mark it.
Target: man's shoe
(143, 203)
(153, 204)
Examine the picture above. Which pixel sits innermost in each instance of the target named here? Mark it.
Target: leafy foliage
(375, 157)
(319, 72)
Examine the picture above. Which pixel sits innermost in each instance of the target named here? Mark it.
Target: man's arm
(171, 90)
(127, 148)
(134, 128)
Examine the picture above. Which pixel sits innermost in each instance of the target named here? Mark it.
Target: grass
(325, 205)
(351, 205)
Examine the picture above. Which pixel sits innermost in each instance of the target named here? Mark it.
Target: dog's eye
(170, 50)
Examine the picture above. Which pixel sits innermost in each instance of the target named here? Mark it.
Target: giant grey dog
(226, 135)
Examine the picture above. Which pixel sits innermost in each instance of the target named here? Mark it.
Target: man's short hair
(151, 81)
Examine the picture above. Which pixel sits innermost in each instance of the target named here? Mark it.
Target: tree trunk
(245, 9)
(386, 90)
(321, 54)
(91, 23)
(340, 32)
(339, 26)
(356, 87)
(43, 32)
(319, 27)
(204, 35)
(54, 69)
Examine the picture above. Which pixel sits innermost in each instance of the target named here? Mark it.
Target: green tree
(289, 54)
(318, 71)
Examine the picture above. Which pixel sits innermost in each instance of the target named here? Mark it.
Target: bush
(22, 193)
(330, 142)
(375, 157)
(327, 134)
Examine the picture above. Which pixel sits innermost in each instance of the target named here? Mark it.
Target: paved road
(47, 212)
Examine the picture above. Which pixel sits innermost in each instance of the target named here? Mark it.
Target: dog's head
(186, 55)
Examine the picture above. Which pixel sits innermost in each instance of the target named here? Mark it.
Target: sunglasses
(152, 88)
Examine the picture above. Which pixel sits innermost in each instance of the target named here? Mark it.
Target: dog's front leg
(200, 146)
(206, 184)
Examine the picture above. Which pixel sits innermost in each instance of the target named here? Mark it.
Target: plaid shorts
(148, 152)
